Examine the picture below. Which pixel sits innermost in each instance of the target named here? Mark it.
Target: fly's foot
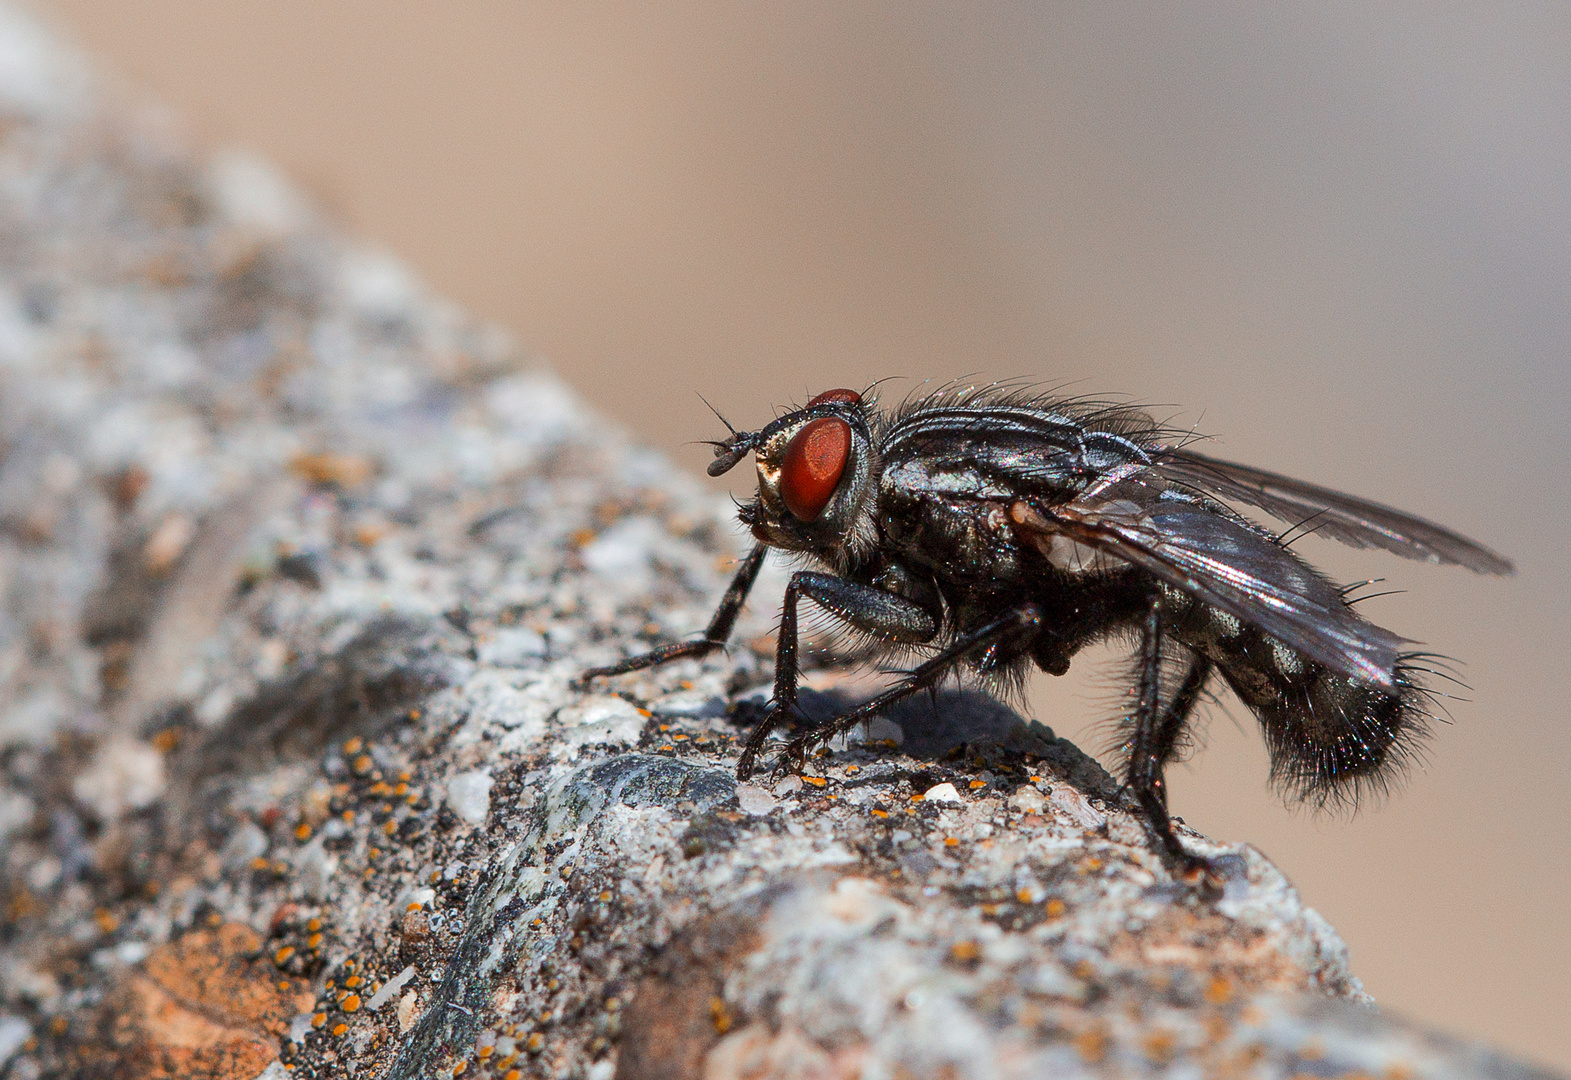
(654, 658)
(792, 760)
(1203, 875)
(773, 717)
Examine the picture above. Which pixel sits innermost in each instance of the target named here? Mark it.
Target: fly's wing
(1221, 561)
(1353, 521)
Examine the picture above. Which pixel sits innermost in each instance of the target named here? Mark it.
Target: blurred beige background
(1337, 235)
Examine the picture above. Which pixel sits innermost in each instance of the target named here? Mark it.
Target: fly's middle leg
(1023, 622)
(891, 617)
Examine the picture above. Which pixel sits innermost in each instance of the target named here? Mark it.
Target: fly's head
(817, 470)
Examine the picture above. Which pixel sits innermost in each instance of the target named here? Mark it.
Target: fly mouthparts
(731, 451)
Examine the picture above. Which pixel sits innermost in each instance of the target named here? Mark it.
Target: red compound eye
(835, 395)
(813, 465)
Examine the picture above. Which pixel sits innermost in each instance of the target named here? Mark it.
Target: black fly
(993, 529)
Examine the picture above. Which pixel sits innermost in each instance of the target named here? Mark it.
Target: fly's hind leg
(715, 636)
(1156, 732)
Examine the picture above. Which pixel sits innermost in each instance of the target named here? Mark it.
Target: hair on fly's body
(980, 531)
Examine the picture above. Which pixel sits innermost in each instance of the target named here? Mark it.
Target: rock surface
(297, 566)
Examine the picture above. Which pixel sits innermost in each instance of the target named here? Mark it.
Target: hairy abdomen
(1332, 737)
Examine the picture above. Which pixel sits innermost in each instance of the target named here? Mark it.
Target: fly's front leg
(714, 637)
(1156, 732)
(891, 617)
(1024, 622)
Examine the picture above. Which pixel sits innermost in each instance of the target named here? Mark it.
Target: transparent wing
(1226, 563)
(1353, 521)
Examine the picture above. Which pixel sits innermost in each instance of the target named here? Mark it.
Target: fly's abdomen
(1331, 736)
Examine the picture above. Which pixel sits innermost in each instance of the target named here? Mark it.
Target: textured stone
(320, 548)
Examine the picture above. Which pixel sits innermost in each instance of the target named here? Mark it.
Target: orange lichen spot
(260, 863)
(1219, 991)
(879, 813)
(59, 1025)
(485, 1052)
(605, 895)
(1036, 779)
(373, 853)
(318, 1019)
(313, 925)
(281, 957)
(645, 713)
(951, 841)
(390, 827)
(414, 905)
(1091, 865)
(1055, 908)
(314, 942)
(720, 1015)
(679, 738)
(977, 784)
(1024, 896)
(381, 789)
(106, 920)
(965, 951)
(404, 775)
(351, 1003)
(1159, 1046)
(339, 1029)
(354, 745)
(302, 831)
(362, 764)
(513, 1074)
(816, 781)
(401, 790)
(166, 740)
(1091, 1045)
(918, 798)
(991, 910)
(337, 470)
(348, 817)
(353, 981)
(534, 1043)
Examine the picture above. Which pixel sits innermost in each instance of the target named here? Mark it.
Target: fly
(993, 529)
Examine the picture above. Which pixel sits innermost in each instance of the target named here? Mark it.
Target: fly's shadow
(960, 724)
